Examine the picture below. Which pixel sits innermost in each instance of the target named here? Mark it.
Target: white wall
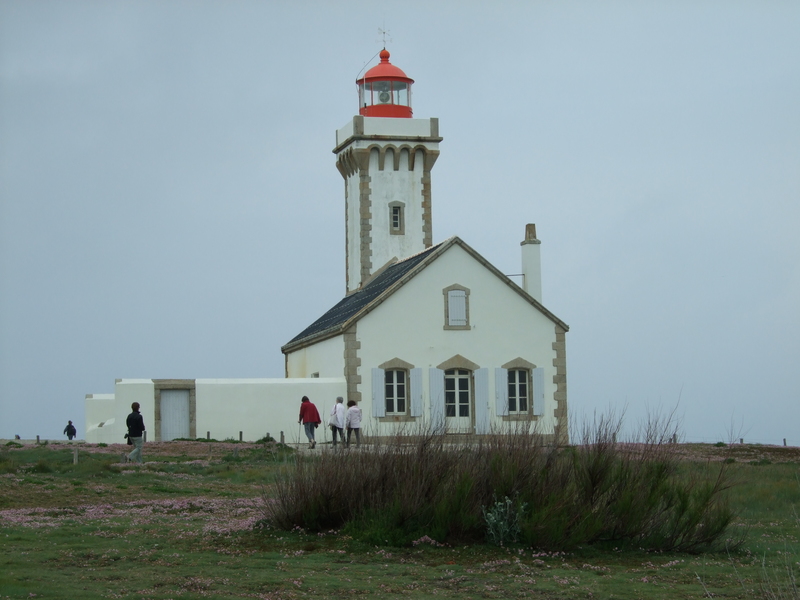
(386, 186)
(101, 421)
(399, 127)
(113, 410)
(260, 406)
(504, 326)
(387, 126)
(403, 186)
(325, 357)
(224, 407)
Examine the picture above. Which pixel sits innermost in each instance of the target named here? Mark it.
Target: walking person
(353, 422)
(135, 423)
(70, 431)
(309, 417)
(336, 421)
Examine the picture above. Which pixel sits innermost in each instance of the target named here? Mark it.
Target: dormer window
(396, 218)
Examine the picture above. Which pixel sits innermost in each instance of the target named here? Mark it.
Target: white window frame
(414, 399)
(536, 399)
(394, 385)
(514, 395)
(457, 374)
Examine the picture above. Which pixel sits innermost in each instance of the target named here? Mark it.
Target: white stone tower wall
(385, 161)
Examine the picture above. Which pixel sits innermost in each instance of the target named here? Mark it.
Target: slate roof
(351, 305)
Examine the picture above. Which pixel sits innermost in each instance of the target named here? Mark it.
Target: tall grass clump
(510, 486)
(782, 582)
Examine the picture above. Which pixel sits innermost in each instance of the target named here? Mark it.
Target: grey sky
(169, 204)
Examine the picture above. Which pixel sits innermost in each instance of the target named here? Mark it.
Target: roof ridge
(429, 248)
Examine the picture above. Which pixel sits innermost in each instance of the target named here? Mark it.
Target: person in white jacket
(336, 421)
(353, 422)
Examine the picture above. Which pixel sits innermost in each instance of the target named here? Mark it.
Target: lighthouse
(385, 157)
(427, 336)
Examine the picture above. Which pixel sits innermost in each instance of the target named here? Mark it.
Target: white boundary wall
(224, 407)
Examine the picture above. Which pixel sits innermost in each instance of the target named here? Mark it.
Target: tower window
(396, 218)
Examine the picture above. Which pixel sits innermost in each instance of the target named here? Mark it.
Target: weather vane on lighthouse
(383, 32)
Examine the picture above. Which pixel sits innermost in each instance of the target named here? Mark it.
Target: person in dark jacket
(135, 424)
(309, 417)
(70, 431)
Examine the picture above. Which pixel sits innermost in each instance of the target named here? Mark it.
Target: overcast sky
(170, 206)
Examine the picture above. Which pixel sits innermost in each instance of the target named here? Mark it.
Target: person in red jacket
(309, 417)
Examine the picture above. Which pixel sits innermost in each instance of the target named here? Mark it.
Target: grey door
(174, 414)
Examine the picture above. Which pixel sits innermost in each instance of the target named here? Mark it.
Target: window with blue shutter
(456, 307)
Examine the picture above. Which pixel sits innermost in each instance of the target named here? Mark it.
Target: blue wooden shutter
(436, 386)
(416, 392)
(482, 425)
(457, 307)
(378, 393)
(501, 392)
(538, 391)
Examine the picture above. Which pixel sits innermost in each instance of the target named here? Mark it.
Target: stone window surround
(174, 384)
(520, 363)
(398, 364)
(445, 291)
(460, 362)
(397, 230)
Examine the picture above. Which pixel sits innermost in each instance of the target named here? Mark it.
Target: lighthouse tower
(385, 157)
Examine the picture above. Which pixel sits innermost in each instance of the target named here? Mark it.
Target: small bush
(503, 521)
(7, 464)
(41, 466)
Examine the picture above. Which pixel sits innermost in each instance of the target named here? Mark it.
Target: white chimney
(531, 263)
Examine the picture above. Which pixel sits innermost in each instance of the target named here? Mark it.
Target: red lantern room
(385, 91)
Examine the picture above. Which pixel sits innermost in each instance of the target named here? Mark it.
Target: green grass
(176, 529)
